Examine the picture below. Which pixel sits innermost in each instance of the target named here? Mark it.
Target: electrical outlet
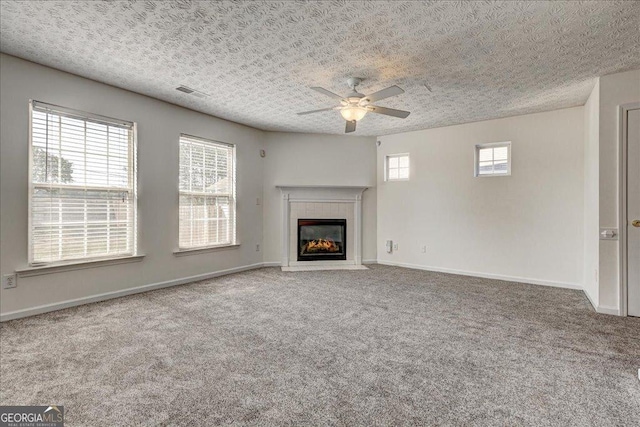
(424, 249)
(9, 281)
(257, 247)
(395, 246)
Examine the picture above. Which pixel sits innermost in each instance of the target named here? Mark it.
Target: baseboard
(602, 309)
(272, 264)
(593, 304)
(18, 314)
(369, 261)
(486, 275)
(608, 310)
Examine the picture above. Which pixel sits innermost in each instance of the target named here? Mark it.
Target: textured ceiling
(257, 60)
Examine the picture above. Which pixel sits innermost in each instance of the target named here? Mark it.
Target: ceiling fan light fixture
(353, 112)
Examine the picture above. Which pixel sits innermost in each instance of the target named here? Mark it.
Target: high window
(82, 186)
(493, 159)
(397, 167)
(207, 193)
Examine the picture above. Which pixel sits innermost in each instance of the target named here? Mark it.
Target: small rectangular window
(493, 159)
(82, 201)
(397, 167)
(207, 193)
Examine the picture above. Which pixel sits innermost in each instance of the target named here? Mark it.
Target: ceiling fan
(355, 105)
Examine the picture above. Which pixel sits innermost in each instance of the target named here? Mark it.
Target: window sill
(80, 265)
(196, 251)
(492, 175)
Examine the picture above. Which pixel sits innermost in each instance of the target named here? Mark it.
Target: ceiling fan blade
(327, 92)
(316, 111)
(388, 111)
(384, 93)
(351, 127)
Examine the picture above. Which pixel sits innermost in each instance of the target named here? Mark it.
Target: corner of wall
(591, 194)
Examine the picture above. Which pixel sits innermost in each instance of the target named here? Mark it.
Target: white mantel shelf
(321, 192)
(361, 188)
(326, 194)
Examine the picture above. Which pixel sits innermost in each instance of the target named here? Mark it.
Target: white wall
(615, 90)
(159, 125)
(311, 159)
(591, 198)
(528, 226)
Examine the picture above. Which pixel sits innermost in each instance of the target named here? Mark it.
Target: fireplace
(322, 239)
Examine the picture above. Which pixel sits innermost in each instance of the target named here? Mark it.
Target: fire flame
(321, 245)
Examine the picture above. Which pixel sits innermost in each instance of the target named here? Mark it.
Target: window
(82, 186)
(493, 159)
(207, 193)
(397, 167)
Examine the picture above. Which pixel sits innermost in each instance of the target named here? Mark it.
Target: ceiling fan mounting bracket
(353, 82)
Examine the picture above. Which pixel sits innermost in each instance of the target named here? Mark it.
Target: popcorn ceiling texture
(256, 60)
(385, 346)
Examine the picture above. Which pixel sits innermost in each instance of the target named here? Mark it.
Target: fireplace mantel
(322, 194)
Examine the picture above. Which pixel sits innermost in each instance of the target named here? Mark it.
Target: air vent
(190, 91)
(185, 89)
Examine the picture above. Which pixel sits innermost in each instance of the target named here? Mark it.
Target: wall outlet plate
(9, 281)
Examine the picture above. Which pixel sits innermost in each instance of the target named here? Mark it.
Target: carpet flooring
(385, 346)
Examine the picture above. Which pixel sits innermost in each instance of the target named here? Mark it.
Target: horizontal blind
(207, 206)
(82, 203)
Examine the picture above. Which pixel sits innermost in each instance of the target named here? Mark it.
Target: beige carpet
(385, 346)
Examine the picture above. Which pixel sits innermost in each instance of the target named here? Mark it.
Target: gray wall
(159, 125)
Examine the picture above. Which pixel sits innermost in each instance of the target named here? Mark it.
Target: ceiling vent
(190, 91)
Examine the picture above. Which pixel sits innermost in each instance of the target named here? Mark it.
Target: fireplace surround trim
(322, 194)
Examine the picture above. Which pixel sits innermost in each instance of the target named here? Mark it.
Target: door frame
(622, 208)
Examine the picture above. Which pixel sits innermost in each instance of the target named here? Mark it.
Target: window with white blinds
(82, 186)
(493, 159)
(207, 193)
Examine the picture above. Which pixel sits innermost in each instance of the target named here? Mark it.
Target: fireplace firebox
(322, 239)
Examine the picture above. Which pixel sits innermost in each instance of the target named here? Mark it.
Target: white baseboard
(608, 310)
(486, 275)
(593, 304)
(11, 315)
(602, 309)
(369, 261)
(272, 264)
(145, 288)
